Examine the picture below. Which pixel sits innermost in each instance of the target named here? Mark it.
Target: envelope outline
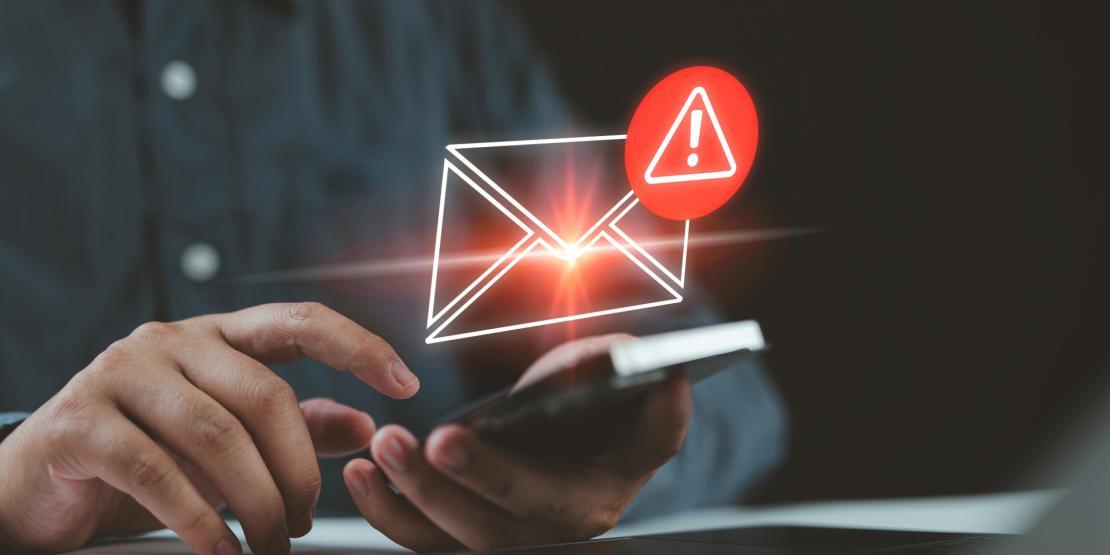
(564, 250)
(449, 168)
(555, 237)
(680, 279)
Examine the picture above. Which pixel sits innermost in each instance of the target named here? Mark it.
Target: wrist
(7, 539)
(8, 424)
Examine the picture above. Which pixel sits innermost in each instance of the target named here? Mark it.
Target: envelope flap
(566, 188)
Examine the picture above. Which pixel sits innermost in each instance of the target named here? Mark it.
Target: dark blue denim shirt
(272, 135)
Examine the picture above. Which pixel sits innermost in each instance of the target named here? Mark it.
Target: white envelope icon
(571, 239)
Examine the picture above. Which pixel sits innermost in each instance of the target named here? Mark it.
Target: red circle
(688, 181)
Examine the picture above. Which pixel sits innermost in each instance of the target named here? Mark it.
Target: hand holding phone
(528, 468)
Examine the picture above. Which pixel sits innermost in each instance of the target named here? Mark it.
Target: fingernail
(455, 457)
(279, 545)
(227, 547)
(360, 483)
(401, 373)
(394, 454)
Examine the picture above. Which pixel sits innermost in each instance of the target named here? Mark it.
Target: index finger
(283, 332)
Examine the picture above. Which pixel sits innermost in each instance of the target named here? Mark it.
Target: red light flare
(574, 213)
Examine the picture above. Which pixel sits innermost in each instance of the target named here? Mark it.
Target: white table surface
(998, 513)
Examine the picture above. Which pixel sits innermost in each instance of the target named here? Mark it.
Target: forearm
(737, 435)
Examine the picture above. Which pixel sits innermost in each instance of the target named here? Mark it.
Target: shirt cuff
(9, 421)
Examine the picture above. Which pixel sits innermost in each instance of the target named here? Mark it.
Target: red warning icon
(713, 161)
(691, 143)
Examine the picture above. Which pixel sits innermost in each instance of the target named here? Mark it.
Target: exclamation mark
(695, 134)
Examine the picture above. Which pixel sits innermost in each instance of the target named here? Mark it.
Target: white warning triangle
(650, 175)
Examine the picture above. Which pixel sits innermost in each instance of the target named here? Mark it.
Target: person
(151, 152)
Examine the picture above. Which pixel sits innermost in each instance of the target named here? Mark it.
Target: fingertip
(393, 430)
(448, 431)
(438, 437)
(447, 446)
(358, 474)
(357, 468)
(368, 424)
(229, 546)
(357, 465)
(401, 382)
(391, 433)
(358, 431)
(337, 429)
(360, 426)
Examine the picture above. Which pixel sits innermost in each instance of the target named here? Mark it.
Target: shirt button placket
(179, 81)
(200, 262)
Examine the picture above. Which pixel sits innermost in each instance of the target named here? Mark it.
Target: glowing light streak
(422, 264)
(435, 336)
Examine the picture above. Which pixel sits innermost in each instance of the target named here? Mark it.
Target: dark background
(954, 308)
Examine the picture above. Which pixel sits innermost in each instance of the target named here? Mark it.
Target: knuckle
(148, 471)
(375, 348)
(195, 523)
(67, 405)
(155, 331)
(299, 312)
(214, 432)
(271, 510)
(308, 487)
(502, 487)
(313, 482)
(271, 396)
(115, 357)
(67, 422)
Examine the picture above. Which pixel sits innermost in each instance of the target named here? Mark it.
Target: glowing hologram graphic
(449, 168)
(434, 337)
(679, 279)
(652, 179)
(454, 149)
(540, 236)
(411, 265)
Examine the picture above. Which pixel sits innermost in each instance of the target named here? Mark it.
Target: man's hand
(173, 422)
(458, 490)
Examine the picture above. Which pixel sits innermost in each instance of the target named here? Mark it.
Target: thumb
(661, 429)
(337, 429)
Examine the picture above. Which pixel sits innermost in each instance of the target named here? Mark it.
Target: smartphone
(581, 411)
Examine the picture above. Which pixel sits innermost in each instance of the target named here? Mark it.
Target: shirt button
(200, 262)
(179, 81)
